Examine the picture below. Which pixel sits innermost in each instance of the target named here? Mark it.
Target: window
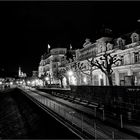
(113, 79)
(96, 80)
(134, 37)
(137, 78)
(120, 43)
(122, 60)
(136, 57)
(122, 75)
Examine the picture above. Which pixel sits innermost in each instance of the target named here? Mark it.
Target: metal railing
(85, 123)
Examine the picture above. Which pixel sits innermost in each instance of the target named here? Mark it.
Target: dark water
(21, 118)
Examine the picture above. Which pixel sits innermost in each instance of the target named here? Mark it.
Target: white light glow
(70, 73)
(49, 46)
(73, 80)
(11, 83)
(100, 76)
(85, 80)
(28, 82)
(47, 78)
(33, 83)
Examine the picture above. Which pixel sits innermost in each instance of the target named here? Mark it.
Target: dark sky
(27, 27)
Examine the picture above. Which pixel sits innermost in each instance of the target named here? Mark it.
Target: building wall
(130, 65)
(50, 64)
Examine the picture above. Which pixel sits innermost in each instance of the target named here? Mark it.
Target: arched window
(135, 37)
(109, 46)
(120, 43)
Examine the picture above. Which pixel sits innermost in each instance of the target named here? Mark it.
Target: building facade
(127, 70)
(79, 70)
(50, 63)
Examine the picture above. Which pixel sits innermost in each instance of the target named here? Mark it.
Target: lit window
(136, 57)
(113, 79)
(96, 80)
(122, 60)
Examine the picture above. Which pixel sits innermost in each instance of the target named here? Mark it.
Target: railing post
(121, 121)
(54, 106)
(113, 135)
(82, 122)
(45, 101)
(95, 130)
(58, 109)
(72, 118)
(95, 112)
(50, 104)
(103, 114)
(65, 114)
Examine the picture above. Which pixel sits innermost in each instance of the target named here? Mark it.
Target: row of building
(127, 72)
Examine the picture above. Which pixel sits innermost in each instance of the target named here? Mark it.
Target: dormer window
(109, 46)
(134, 37)
(120, 43)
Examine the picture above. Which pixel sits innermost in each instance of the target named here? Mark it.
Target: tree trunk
(91, 76)
(61, 83)
(67, 81)
(110, 80)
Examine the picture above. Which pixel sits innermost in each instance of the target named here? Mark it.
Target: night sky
(27, 27)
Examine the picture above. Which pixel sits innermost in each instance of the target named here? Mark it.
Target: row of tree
(104, 63)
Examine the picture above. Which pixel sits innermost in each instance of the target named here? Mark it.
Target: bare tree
(105, 63)
(60, 74)
(82, 68)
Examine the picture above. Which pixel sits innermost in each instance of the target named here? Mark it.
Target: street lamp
(70, 73)
(47, 78)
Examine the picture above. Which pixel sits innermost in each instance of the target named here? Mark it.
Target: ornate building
(50, 63)
(127, 72)
(21, 74)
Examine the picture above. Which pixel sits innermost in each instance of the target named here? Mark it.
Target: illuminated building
(50, 63)
(126, 72)
(21, 74)
(35, 74)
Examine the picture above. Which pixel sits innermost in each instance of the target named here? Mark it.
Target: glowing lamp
(47, 78)
(70, 73)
